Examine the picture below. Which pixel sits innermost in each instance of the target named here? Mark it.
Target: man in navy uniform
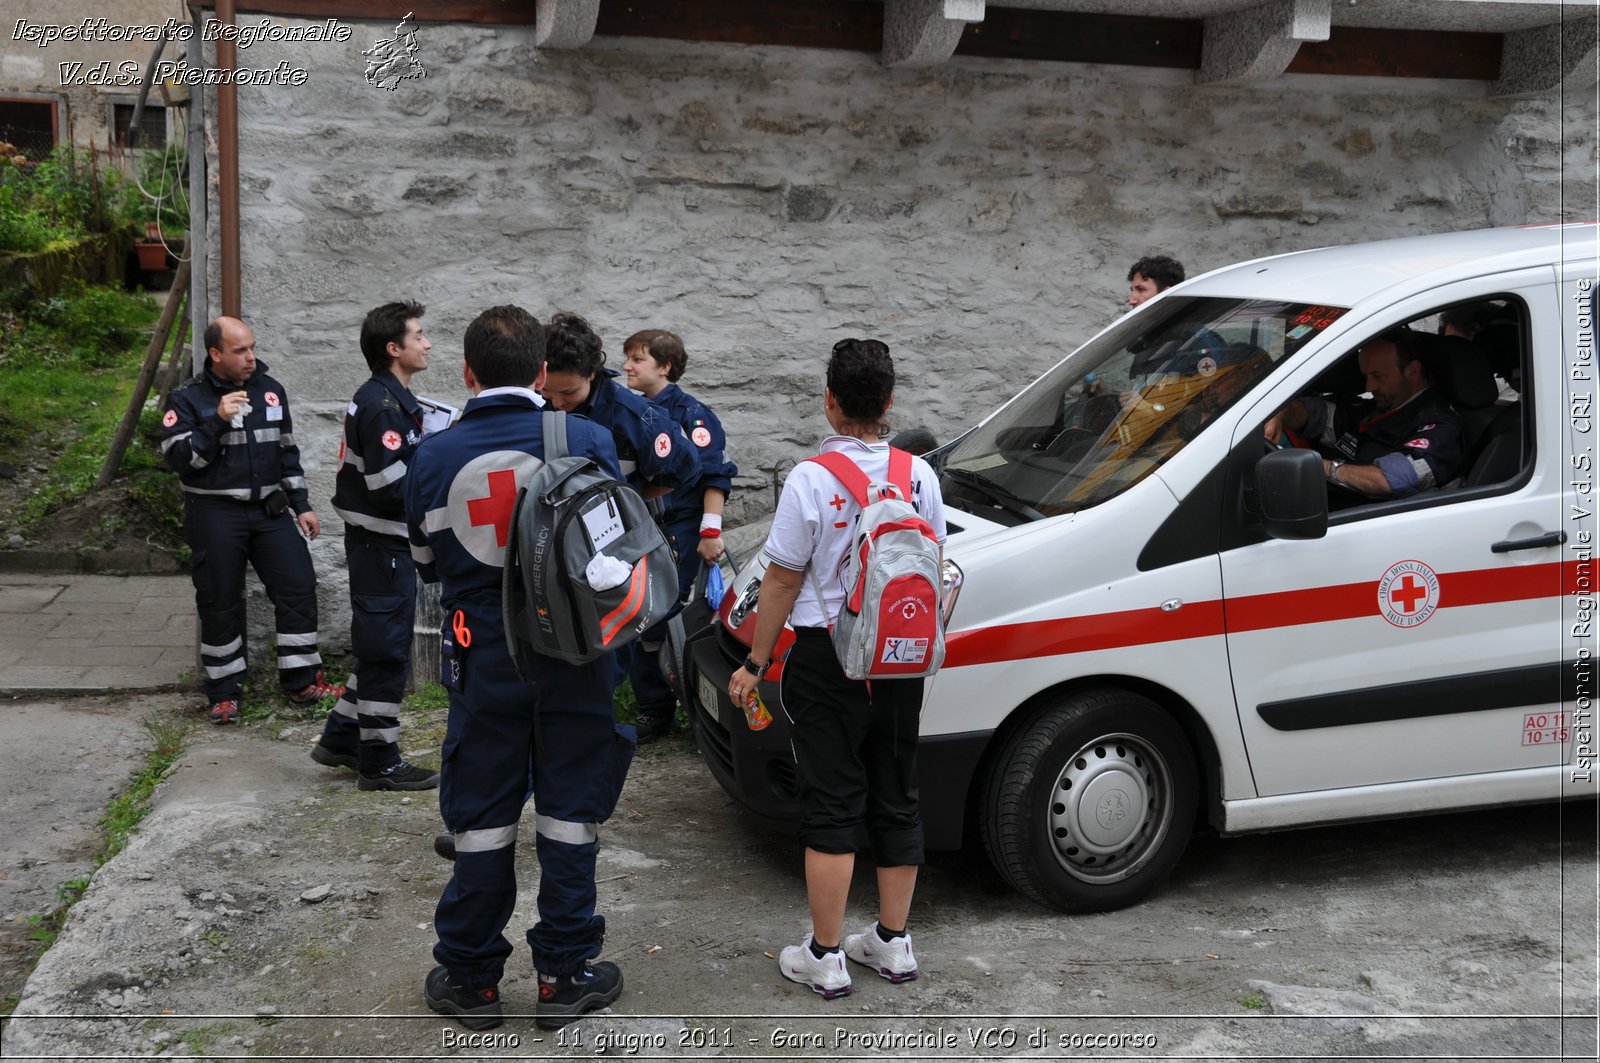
(228, 434)
(382, 428)
(1405, 440)
(556, 730)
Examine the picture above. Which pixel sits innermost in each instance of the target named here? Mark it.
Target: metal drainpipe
(199, 235)
(228, 163)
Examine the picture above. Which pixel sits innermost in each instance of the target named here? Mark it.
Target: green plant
(124, 811)
(428, 697)
(63, 197)
(1253, 1001)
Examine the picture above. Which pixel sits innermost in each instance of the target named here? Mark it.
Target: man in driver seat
(1405, 440)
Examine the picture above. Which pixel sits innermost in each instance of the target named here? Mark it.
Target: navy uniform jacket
(463, 483)
(382, 428)
(705, 434)
(214, 458)
(650, 447)
(1418, 446)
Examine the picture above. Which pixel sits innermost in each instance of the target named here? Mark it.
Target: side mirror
(1292, 495)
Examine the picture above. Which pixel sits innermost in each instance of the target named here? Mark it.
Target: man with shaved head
(228, 434)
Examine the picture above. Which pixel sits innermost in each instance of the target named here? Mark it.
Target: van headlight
(949, 590)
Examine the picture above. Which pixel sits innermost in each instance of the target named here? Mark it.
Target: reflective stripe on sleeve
(389, 475)
(172, 441)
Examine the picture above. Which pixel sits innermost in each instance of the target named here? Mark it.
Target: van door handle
(1538, 542)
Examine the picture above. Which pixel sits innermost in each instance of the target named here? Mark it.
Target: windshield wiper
(988, 488)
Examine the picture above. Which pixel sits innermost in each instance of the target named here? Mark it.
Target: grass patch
(1253, 1001)
(67, 368)
(126, 810)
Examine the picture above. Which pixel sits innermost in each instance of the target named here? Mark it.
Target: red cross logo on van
(1408, 593)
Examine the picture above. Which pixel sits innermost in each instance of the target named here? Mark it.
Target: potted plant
(158, 199)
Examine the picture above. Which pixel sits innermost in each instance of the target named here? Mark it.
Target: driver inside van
(1404, 440)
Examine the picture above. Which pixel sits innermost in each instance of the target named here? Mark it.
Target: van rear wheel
(1089, 806)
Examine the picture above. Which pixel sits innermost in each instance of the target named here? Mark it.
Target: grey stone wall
(978, 216)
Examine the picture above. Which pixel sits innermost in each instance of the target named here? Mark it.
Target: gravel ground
(267, 909)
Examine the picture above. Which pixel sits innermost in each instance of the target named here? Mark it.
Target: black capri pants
(855, 751)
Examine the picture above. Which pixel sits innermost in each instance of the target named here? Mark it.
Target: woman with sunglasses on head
(855, 743)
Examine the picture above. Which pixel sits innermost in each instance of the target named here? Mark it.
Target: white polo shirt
(816, 521)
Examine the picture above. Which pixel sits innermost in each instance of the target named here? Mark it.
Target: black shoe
(649, 726)
(323, 755)
(401, 776)
(476, 1009)
(570, 996)
(444, 843)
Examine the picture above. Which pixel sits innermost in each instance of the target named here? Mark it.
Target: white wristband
(711, 521)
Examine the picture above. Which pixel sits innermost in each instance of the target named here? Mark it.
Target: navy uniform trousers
(223, 534)
(383, 609)
(557, 733)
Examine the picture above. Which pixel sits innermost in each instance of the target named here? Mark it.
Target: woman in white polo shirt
(855, 746)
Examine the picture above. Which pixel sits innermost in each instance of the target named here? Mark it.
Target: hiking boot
(315, 691)
(892, 959)
(323, 755)
(225, 712)
(826, 975)
(476, 1009)
(569, 996)
(401, 776)
(444, 843)
(649, 726)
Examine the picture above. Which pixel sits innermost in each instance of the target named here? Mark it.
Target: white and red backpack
(890, 626)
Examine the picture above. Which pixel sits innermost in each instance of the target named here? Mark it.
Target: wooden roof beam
(925, 32)
(1559, 58)
(1257, 43)
(564, 23)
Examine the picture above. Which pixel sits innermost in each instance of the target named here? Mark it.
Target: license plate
(708, 695)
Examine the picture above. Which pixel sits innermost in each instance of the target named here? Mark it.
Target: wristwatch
(1333, 470)
(757, 670)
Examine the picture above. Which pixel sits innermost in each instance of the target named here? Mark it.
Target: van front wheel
(1089, 806)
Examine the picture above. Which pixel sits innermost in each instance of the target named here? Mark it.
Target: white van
(1158, 614)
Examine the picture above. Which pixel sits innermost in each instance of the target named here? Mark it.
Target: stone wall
(764, 202)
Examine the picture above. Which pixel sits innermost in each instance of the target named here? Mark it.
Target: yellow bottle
(756, 716)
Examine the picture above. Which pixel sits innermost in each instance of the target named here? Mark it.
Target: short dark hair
(572, 346)
(213, 335)
(664, 347)
(1163, 270)
(504, 347)
(861, 377)
(384, 325)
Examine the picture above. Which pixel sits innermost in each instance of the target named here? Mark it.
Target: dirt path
(213, 933)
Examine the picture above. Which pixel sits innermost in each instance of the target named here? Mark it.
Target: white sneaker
(826, 976)
(891, 959)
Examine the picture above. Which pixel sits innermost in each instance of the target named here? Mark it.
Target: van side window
(1439, 403)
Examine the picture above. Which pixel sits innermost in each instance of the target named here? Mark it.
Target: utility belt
(273, 504)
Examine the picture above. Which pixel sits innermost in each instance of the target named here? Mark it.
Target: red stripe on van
(1311, 605)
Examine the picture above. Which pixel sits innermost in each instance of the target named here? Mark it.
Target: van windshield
(1114, 410)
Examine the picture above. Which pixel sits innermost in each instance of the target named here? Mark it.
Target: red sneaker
(315, 691)
(225, 712)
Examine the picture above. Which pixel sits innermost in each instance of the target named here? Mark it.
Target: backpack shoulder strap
(847, 473)
(554, 423)
(900, 473)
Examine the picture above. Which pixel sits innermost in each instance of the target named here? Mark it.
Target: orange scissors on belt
(458, 624)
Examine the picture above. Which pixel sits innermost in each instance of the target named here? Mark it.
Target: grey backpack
(570, 512)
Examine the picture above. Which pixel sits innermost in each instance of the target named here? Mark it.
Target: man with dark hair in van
(1405, 440)
(1152, 275)
(381, 430)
